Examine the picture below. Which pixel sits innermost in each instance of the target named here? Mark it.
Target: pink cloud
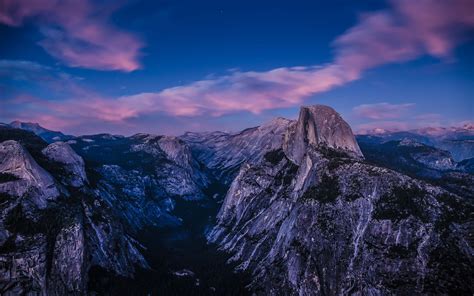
(76, 32)
(381, 37)
(438, 25)
(382, 110)
(410, 29)
(239, 91)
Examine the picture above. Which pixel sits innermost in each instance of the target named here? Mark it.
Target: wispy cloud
(239, 91)
(406, 31)
(382, 110)
(409, 30)
(76, 32)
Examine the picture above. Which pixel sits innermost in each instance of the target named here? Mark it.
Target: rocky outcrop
(26, 179)
(316, 126)
(409, 156)
(138, 199)
(175, 150)
(70, 267)
(306, 212)
(141, 177)
(51, 235)
(421, 161)
(46, 134)
(433, 158)
(319, 126)
(166, 160)
(322, 221)
(75, 174)
(460, 149)
(183, 176)
(224, 153)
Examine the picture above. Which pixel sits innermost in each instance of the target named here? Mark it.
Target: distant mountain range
(318, 217)
(457, 140)
(465, 130)
(297, 207)
(46, 134)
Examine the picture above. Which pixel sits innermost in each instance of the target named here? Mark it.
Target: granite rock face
(306, 212)
(53, 227)
(28, 180)
(317, 126)
(176, 170)
(421, 161)
(141, 177)
(224, 153)
(322, 221)
(433, 158)
(73, 164)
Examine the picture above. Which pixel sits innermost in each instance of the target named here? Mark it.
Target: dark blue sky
(86, 67)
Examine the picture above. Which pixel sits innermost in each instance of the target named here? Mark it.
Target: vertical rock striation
(318, 126)
(224, 153)
(53, 227)
(28, 180)
(313, 218)
(66, 157)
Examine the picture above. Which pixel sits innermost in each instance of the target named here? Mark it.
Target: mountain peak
(277, 121)
(46, 134)
(31, 126)
(319, 125)
(468, 126)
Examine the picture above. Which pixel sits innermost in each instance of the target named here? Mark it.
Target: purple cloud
(76, 32)
(410, 29)
(407, 31)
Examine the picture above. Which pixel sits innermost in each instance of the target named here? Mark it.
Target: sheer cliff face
(306, 212)
(319, 126)
(27, 177)
(141, 177)
(53, 227)
(224, 153)
(313, 218)
(73, 164)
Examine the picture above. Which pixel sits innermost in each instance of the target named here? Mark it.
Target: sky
(167, 67)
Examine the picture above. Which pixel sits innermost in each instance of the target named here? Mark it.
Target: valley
(233, 148)
(182, 261)
(289, 207)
